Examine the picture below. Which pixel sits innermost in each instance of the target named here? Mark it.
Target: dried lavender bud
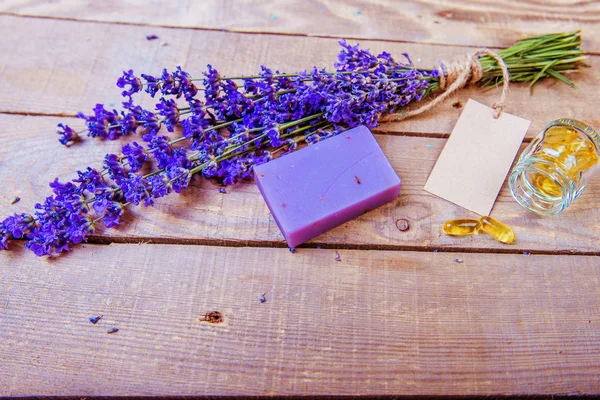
(94, 320)
(129, 79)
(113, 330)
(67, 135)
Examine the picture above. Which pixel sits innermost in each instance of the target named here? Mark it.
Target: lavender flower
(103, 123)
(136, 156)
(168, 109)
(352, 58)
(160, 185)
(136, 190)
(161, 150)
(67, 135)
(4, 238)
(153, 84)
(90, 180)
(179, 177)
(114, 166)
(179, 83)
(129, 79)
(18, 225)
(185, 87)
(79, 227)
(274, 134)
(194, 128)
(146, 118)
(113, 213)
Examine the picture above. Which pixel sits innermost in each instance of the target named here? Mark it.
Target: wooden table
(393, 317)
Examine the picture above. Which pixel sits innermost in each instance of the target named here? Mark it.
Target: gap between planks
(251, 32)
(108, 240)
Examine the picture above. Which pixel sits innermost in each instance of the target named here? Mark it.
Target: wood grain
(472, 22)
(375, 323)
(30, 157)
(62, 67)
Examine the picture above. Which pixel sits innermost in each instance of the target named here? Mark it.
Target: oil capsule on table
(497, 230)
(462, 227)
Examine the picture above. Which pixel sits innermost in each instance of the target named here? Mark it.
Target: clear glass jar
(555, 168)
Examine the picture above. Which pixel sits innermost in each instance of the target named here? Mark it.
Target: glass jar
(555, 168)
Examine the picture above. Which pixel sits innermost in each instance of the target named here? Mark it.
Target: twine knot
(451, 71)
(457, 74)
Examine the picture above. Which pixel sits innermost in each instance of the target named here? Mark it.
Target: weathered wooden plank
(473, 23)
(376, 322)
(64, 67)
(30, 157)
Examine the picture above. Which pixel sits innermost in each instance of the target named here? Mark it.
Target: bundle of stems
(529, 60)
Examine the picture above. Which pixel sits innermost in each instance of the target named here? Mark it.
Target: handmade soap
(326, 184)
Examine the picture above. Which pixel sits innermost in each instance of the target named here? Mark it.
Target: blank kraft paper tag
(477, 157)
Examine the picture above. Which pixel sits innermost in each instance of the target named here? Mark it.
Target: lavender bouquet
(230, 124)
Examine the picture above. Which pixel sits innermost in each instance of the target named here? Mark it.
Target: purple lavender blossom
(353, 58)
(273, 134)
(67, 135)
(18, 225)
(90, 180)
(185, 86)
(153, 84)
(161, 150)
(114, 167)
(179, 176)
(136, 156)
(113, 213)
(4, 238)
(146, 118)
(178, 83)
(79, 227)
(129, 79)
(194, 128)
(136, 190)
(103, 123)
(168, 109)
(160, 185)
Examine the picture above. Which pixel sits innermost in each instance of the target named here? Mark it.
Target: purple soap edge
(273, 214)
(308, 231)
(385, 196)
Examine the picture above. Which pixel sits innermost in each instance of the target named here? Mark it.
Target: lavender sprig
(271, 113)
(74, 211)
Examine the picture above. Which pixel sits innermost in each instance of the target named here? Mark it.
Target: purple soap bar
(326, 184)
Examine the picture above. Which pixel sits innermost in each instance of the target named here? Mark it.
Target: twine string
(457, 74)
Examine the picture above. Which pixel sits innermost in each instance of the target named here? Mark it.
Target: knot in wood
(213, 317)
(402, 224)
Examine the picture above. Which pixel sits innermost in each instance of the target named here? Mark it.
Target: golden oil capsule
(560, 135)
(462, 227)
(546, 186)
(497, 230)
